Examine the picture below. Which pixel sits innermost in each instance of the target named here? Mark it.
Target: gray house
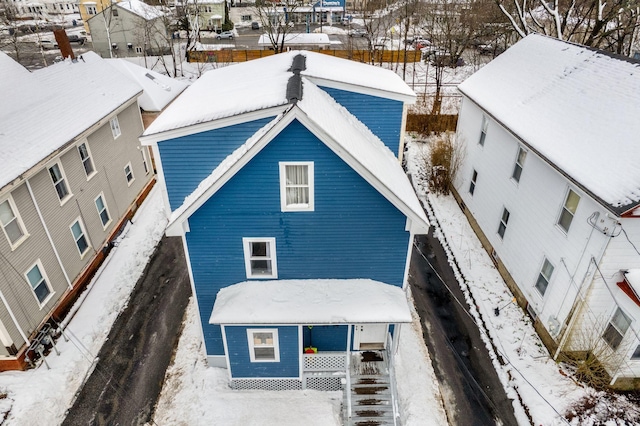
(72, 173)
(129, 28)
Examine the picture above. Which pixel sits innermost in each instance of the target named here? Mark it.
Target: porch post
(348, 372)
(302, 358)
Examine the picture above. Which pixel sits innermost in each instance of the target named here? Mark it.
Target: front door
(369, 336)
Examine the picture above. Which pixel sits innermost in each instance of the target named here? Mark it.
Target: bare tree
(275, 21)
(610, 25)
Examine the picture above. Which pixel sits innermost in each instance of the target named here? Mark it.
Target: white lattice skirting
(325, 362)
(324, 383)
(266, 384)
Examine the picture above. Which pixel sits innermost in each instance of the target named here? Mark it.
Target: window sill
(65, 199)
(45, 301)
(91, 175)
(297, 208)
(106, 225)
(129, 183)
(18, 243)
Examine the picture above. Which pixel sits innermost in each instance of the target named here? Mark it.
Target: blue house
(283, 178)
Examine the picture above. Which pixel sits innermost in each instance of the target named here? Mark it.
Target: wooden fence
(366, 56)
(427, 123)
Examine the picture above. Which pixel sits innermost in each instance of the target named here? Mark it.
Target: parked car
(226, 35)
(48, 44)
(255, 25)
(358, 32)
(75, 38)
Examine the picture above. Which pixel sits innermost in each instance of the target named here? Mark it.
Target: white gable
(577, 107)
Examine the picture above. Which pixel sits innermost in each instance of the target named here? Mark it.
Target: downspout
(46, 230)
(13, 317)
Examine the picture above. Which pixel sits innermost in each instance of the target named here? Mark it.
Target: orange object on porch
(310, 350)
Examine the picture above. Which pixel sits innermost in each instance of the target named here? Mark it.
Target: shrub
(443, 162)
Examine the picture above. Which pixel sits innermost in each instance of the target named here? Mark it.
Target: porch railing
(325, 361)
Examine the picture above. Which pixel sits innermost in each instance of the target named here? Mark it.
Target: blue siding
(382, 116)
(325, 337)
(186, 161)
(240, 361)
(354, 231)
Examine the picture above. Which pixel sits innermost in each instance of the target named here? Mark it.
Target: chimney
(63, 43)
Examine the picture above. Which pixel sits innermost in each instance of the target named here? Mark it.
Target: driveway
(128, 376)
(471, 389)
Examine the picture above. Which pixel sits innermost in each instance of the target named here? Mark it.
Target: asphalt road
(471, 389)
(127, 379)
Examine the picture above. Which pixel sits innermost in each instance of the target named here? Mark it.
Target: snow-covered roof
(575, 106)
(296, 38)
(140, 8)
(159, 89)
(633, 279)
(342, 132)
(310, 302)
(261, 84)
(42, 111)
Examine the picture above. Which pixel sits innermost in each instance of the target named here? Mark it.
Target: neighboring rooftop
(44, 110)
(159, 89)
(575, 106)
(140, 8)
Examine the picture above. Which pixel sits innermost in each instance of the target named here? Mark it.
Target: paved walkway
(128, 376)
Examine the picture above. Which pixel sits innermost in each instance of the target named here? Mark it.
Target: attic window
(296, 186)
(260, 257)
(114, 11)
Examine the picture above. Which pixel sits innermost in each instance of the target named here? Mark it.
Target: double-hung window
(11, 223)
(517, 169)
(636, 354)
(87, 162)
(263, 344)
(78, 232)
(128, 173)
(617, 327)
(260, 257)
(504, 220)
(296, 186)
(38, 282)
(568, 210)
(59, 182)
(115, 127)
(103, 212)
(483, 130)
(544, 277)
(472, 185)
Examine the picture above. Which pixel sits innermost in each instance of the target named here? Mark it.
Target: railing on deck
(392, 379)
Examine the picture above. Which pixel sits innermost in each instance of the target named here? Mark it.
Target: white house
(551, 183)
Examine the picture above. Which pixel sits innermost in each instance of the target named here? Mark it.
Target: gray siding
(109, 158)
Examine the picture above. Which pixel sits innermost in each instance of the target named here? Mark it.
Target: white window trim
(283, 187)
(246, 243)
(18, 218)
(517, 164)
(84, 233)
(610, 322)
(133, 177)
(95, 171)
(473, 183)
(115, 128)
(562, 208)
(483, 130)
(104, 202)
(145, 163)
(502, 222)
(46, 280)
(540, 270)
(276, 344)
(66, 181)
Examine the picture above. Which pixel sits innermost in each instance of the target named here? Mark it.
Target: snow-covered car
(358, 32)
(48, 44)
(225, 35)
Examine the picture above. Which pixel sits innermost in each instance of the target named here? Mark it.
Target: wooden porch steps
(371, 396)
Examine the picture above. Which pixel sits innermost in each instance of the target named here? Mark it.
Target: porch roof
(324, 301)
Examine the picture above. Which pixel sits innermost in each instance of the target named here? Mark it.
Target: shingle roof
(575, 106)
